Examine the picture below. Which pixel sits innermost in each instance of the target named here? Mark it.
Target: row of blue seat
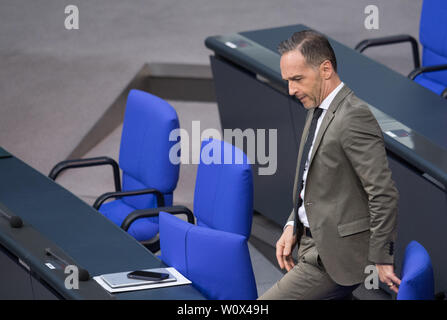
(214, 253)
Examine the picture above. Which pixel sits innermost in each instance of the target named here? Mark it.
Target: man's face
(304, 80)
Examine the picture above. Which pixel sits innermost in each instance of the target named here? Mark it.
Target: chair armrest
(120, 194)
(147, 213)
(413, 74)
(90, 162)
(373, 42)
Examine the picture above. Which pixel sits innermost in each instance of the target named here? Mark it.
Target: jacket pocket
(354, 227)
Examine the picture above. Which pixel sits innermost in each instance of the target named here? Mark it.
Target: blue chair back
(217, 262)
(144, 150)
(417, 274)
(433, 37)
(223, 196)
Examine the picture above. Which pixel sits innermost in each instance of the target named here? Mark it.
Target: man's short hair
(314, 47)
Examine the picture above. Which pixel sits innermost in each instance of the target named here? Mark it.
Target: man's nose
(292, 89)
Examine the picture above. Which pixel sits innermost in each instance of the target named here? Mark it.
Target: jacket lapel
(344, 91)
(328, 118)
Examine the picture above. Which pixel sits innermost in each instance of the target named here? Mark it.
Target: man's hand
(284, 247)
(386, 275)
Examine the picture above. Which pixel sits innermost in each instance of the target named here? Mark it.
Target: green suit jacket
(350, 198)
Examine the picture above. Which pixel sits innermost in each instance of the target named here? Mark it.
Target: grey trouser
(308, 279)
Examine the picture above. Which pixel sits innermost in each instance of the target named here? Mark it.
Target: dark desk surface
(91, 240)
(414, 107)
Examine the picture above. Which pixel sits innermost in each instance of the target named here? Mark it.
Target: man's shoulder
(352, 100)
(354, 106)
(354, 114)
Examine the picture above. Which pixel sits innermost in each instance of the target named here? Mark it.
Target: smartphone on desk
(148, 275)
(132, 279)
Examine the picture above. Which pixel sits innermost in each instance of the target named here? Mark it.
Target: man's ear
(326, 69)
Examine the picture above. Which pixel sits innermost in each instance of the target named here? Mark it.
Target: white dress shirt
(324, 105)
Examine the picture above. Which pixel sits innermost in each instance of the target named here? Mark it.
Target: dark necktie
(304, 156)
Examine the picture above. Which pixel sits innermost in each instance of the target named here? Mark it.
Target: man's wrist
(290, 223)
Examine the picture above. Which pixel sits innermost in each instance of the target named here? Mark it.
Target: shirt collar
(328, 100)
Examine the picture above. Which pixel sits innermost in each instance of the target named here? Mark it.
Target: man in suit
(344, 200)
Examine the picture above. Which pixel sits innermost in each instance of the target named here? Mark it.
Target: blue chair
(433, 37)
(417, 274)
(223, 195)
(217, 262)
(149, 177)
(223, 206)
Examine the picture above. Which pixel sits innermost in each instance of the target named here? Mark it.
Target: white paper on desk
(181, 280)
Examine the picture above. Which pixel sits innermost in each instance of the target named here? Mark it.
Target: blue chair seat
(433, 38)
(223, 194)
(214, 253)
(417, 274)
(217, 262)
(430, 84)
(149, 177)
(144, 160)
(142, 229)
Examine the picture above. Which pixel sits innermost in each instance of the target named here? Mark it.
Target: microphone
(83, 273)
(14, 221)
